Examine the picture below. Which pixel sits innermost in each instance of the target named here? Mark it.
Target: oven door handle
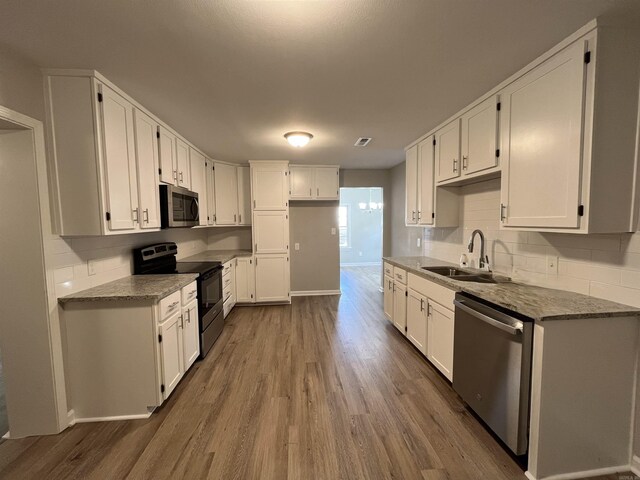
(515, 330)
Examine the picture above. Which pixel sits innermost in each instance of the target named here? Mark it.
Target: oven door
(179, 207)
(209, 296)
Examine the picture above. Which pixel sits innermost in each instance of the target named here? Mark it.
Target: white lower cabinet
(440, 322)
(400, 306)
(245, 280)
(388, 297)
(171, 353)
(190, 334)
(417, 320)
(272, 278)
(229, 286)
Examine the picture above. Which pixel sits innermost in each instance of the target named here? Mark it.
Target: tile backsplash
(604, 266)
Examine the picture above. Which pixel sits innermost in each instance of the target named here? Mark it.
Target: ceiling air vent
(362, 142)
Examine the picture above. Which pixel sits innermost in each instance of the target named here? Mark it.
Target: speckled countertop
(135, 287)
(538, 303)
(222, 256)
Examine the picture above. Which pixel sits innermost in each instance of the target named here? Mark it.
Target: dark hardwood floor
(323, 389)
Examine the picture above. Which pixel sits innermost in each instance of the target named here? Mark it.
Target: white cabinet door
(301, 183)
(417, 320)
(147, 169)
(426, 182)
(400, 307)
(190, 334)
(541, 130)
(245, 280)
(447, 152)
(211, 193)
(480, 137)
(411, 204)
(271, 231)
(171, 352)
(440, 338)
(244, 196)
(327, 181)
(226, 191)
(119, 160)
(168, 158)
(270, 187)
(272, 278)
(182, 164)
(198, 173)
(388, 297)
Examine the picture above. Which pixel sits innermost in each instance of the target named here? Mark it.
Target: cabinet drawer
(189, 293)
(388, 269)
(170, 304)
(228, 305)
(400, 275)
(442, 295)
(226, 268)
(227, 292)
(227, 280)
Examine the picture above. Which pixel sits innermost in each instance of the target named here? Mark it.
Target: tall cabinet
(270, 210)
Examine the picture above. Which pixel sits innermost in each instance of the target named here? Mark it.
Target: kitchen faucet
(484, 259)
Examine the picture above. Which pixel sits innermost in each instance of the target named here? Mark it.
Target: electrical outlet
(91, 267)
(333, 231)
(552, 265)
(418, 242)
(296, 246)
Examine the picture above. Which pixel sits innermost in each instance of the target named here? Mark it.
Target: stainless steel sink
(446, 271)
(461, 275)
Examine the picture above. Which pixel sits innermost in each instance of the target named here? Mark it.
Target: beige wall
(404, 240)
(232, 238)
(21, 85)
(373, 178)
(316, 266)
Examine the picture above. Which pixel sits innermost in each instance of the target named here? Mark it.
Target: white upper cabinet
(542, 129)
(198, 175)
(119, 160)
(211, 193)
(301, 183)
(272, 278)
(411, 191)
(447, 151)
(480, 137)
(314, 182)
(270, 185)
(425, 183)
(244, 195)
(271, 231)
(226, 193)
(147, 169)
(182, 164)
(168, 156)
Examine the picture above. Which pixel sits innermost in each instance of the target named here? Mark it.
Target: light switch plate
(91, 267)
(333, 231)
(296, 246)
(418, 242)
(552, 265)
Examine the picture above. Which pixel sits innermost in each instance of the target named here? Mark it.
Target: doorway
(360, 223)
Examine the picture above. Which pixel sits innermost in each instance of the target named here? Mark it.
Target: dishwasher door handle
(517, 329)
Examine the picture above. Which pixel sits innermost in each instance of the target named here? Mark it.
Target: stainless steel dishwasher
(492, 368)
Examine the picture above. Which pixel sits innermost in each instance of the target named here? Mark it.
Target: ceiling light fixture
(298, 139)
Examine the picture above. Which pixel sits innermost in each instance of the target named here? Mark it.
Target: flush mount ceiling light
(298, 139)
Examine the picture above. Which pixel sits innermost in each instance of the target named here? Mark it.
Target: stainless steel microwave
(178, 207)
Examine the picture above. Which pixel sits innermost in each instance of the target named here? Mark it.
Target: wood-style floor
(323, 389)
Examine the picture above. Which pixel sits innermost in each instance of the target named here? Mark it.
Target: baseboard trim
(584, 474)
(315, 293)
(635, 465)
(71, 418)
(363, 264)
(113, 419)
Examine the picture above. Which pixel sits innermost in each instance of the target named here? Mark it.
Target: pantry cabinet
(198, 175)
(244, 195)
(480, 151)
(272, 278)
(271, 231)
(270, 185)
(226, 194)
(146, 154)
(245, 280)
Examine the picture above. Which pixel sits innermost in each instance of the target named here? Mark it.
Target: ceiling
(233, 76)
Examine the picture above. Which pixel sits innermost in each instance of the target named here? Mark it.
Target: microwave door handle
(196, 214)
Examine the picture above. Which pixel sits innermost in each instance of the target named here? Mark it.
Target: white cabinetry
(244, 195)
(198, 175)
(440, 338)
(447, 152)
(229, 286)
(272, 278)
(270, 185)
(211, 193)
(480, 137)
(417, 320)
(245, 280)
(388, 297)
(147, 169)
(171, 352)
(182, 164)
(314, 182)
(226, 193)
(411, 191)
(271, 231)
(400, 306)
(168, 155)
(190, 333)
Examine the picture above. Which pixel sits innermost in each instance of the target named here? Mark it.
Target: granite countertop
(135, 287)
(537, 303)
(221, 256)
